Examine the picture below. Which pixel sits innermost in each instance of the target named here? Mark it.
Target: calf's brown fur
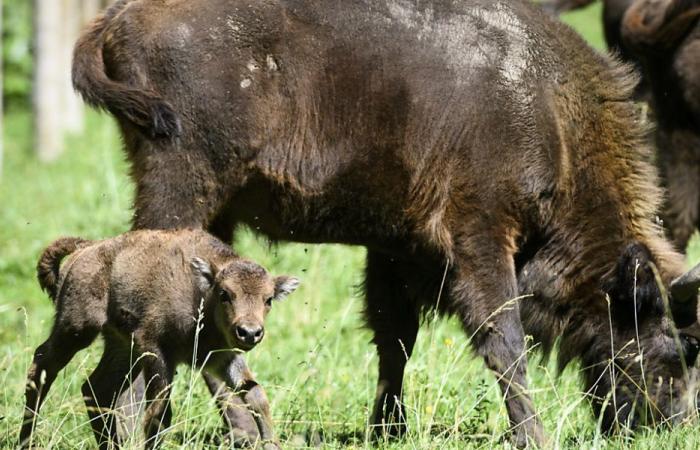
(147, 289)
(480, 150)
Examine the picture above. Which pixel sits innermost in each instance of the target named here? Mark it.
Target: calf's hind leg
(102, 389)
(483, 290)
(394, 320)
(49, 358)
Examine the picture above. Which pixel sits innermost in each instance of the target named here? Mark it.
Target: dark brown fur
(147, 289)
(613, 12)
(665, 37)
(657, 36)
(477, 140)
(142, 107)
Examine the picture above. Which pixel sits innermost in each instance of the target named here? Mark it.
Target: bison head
(649, 375)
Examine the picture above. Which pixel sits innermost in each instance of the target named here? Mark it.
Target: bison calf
(144, 291)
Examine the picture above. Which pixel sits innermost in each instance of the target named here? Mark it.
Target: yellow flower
(449, 342)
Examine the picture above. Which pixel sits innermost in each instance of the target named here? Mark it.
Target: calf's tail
(49, 265)
(143, 108)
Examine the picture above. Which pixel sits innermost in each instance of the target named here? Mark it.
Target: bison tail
(143, 108)
(49, 265)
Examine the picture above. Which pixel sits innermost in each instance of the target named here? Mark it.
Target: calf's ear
(285, 285)
(203, 272)
(633, 289)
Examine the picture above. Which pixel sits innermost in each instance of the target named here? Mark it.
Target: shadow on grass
(360, 437)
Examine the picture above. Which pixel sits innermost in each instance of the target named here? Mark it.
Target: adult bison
(664, 35)
(472, 140)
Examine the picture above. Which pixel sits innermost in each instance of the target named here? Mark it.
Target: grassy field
(316, 361)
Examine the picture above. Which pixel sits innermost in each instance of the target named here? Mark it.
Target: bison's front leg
(394, 320)
(483, 294)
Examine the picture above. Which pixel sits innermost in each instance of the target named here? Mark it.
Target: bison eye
(268, 302)
(691, 348)
(224, 296)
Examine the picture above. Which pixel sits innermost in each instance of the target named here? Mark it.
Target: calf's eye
(224, 296)
(268, 302)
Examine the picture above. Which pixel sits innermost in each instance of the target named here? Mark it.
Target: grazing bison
(147, 287)
(479, 150)
(665, 37)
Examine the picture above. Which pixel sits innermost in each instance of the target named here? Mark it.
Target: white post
(73, 113)
(90, 9)
(48, 80)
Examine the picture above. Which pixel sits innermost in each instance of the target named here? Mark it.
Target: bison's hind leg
(394, 319)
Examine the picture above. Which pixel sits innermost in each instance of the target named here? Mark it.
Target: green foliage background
(16, 50)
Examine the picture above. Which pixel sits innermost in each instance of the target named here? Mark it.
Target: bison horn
(685, 287)
(684, 297)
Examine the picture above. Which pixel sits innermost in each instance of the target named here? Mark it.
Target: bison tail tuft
(49, 265)
(153, 116)
(143, 108)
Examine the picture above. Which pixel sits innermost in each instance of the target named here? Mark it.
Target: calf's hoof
(529, 437)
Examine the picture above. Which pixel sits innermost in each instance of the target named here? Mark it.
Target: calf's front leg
(243, 430)
(238, 378)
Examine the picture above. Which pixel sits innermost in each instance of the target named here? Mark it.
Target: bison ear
(203, 272)
(633, 289)
(285, 285)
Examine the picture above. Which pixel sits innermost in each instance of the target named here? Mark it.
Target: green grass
(316, 362)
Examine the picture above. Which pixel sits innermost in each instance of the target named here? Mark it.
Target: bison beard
(476, 145)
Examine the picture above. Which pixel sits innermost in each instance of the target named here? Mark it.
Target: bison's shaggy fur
(477, 141)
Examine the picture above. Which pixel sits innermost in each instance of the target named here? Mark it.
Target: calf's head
(239, 295)
(648, 374)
